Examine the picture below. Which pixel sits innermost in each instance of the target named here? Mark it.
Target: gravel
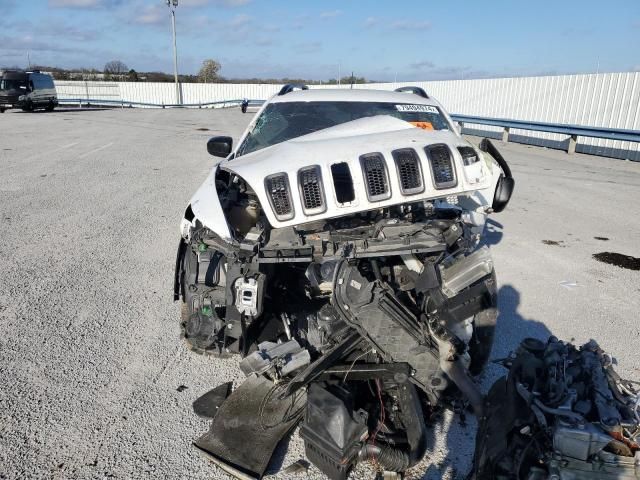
(94, 381)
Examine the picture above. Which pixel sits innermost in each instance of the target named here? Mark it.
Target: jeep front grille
(342, 182)
(279, 193)
(311, 190)
(442, 169)
(409, 171)
(374, 169)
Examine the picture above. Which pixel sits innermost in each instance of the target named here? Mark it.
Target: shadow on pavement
(60, 110)
(493, 233)
(511, 329)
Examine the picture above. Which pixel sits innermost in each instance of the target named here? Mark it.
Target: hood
(284, 166)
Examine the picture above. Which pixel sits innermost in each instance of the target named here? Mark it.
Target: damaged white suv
(336, 248)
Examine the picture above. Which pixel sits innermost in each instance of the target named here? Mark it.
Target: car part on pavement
(248, 426)
(562, 413)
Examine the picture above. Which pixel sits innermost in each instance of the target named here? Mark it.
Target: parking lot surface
(94, 380)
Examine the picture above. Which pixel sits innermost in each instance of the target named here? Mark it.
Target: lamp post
(173, 4)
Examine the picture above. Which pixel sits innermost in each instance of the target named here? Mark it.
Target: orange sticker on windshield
(423, 125)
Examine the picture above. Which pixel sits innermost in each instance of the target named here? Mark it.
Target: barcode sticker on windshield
(416, 108)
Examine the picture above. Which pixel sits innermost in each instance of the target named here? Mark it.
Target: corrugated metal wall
(601, 100)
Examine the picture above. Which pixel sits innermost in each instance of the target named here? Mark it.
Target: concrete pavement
(91, 366)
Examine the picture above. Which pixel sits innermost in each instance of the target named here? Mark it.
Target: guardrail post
(505, 135)
(573, 140)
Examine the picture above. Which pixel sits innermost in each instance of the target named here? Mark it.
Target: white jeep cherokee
(344, 229)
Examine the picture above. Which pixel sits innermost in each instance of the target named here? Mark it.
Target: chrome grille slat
(277, 187)
(376, 178)
(442, 169)
(409, 171)
(311, 190)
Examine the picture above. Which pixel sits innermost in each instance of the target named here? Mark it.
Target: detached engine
(561, 413)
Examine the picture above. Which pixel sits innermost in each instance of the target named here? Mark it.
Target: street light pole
(173, 4)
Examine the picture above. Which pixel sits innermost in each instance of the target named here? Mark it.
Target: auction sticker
(416, 108)
(423, 125)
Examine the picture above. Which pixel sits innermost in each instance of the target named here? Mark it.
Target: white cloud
(425, 64)
(240, 20)
(232, 3)
(151, 15)
(331, 14)
(193, 3)
(410, 25)
(308, 47)
(370, 22)
(83, 3)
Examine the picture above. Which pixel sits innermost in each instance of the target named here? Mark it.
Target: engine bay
(376, 319)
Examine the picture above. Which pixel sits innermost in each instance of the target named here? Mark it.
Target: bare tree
(209, 71)
(115, 67)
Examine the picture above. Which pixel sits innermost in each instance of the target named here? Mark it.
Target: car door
(33, 92)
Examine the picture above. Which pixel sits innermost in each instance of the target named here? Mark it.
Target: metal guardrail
(573, 131)
(130, 104)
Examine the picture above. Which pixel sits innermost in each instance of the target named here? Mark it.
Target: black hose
(390, 458)
(375, 266)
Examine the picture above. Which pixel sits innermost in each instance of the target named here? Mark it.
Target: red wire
(382, 418)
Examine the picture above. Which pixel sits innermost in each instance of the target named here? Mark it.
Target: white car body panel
(206, 207)
(346, 143)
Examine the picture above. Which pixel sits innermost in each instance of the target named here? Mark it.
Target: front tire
(200, 326)
(50, 106)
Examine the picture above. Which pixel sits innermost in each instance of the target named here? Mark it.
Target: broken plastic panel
(466, 271)
(279, 359)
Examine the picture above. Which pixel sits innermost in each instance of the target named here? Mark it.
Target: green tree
(209, 71)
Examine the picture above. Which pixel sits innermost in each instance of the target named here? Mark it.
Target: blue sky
(382, 40)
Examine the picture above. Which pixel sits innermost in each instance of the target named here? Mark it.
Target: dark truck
(27, 90)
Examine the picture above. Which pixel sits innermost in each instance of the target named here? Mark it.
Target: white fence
(610, 100)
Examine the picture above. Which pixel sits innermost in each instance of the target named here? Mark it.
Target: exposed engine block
(562, 413)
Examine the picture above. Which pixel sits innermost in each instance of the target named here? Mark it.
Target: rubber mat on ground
(249, 425)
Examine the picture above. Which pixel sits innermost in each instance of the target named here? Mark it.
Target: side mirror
(220, 146)
(506, 182)
(503, 192)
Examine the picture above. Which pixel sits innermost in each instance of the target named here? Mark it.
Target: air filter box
(332, 431)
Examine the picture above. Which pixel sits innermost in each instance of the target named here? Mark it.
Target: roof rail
(290, 87)
(415, 90)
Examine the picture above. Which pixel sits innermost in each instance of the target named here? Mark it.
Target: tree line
(118, 71)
